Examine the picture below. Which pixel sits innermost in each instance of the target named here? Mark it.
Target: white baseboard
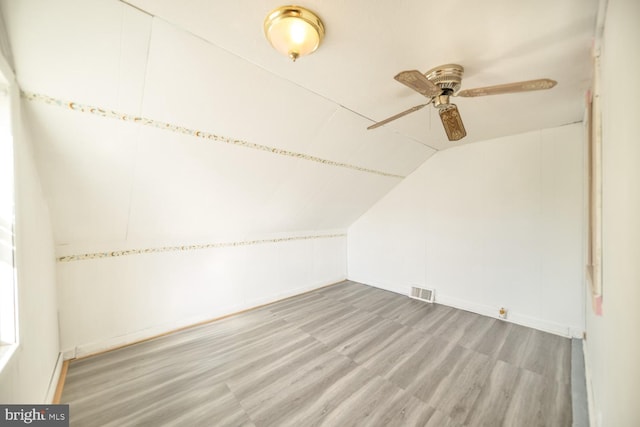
(514, 317)
(110, 343)
(55, 378)
(490, 311)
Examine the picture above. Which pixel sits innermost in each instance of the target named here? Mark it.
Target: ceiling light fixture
(293, 31)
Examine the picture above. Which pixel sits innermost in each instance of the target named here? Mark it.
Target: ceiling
(367, 43)
(231, 139)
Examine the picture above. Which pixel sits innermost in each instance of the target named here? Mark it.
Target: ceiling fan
(441, 83)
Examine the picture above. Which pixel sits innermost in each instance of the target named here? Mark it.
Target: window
(8, 311)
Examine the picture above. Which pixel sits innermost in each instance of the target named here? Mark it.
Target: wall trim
(54, 381)
(102, 112)
(114, 343)
(57, 398)
(513, 317)
(184, 248)
(490, 311)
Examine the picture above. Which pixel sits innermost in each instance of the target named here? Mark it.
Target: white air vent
(423, 294)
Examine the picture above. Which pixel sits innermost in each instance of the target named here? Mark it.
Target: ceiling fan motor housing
(446, 77)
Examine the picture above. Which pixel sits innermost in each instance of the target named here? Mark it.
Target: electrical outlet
(502, 313)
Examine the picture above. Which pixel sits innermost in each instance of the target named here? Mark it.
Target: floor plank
(345, 355)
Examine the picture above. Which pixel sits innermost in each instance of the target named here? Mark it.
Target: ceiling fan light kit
(293, 31)
(441, 83)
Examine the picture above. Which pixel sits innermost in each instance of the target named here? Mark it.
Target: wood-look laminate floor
(344, 355)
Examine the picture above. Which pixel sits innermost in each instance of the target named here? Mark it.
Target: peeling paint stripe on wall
(193, 132)
(127, 252)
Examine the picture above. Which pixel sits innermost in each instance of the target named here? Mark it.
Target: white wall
(114, 184)
(27, 376)
(613, 340)
(490, 224)
(112, 301)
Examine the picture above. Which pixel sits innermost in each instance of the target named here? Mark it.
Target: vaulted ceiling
(177, 121)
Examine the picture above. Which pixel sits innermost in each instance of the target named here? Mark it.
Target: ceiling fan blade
(452, 123)
(397, 116)
(415, 80)
(529, 85)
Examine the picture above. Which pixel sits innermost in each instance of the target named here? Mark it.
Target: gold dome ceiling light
(293, 31)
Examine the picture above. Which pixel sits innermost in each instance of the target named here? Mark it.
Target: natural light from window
(8, 336)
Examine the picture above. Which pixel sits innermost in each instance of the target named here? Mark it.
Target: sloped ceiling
(176, 121)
